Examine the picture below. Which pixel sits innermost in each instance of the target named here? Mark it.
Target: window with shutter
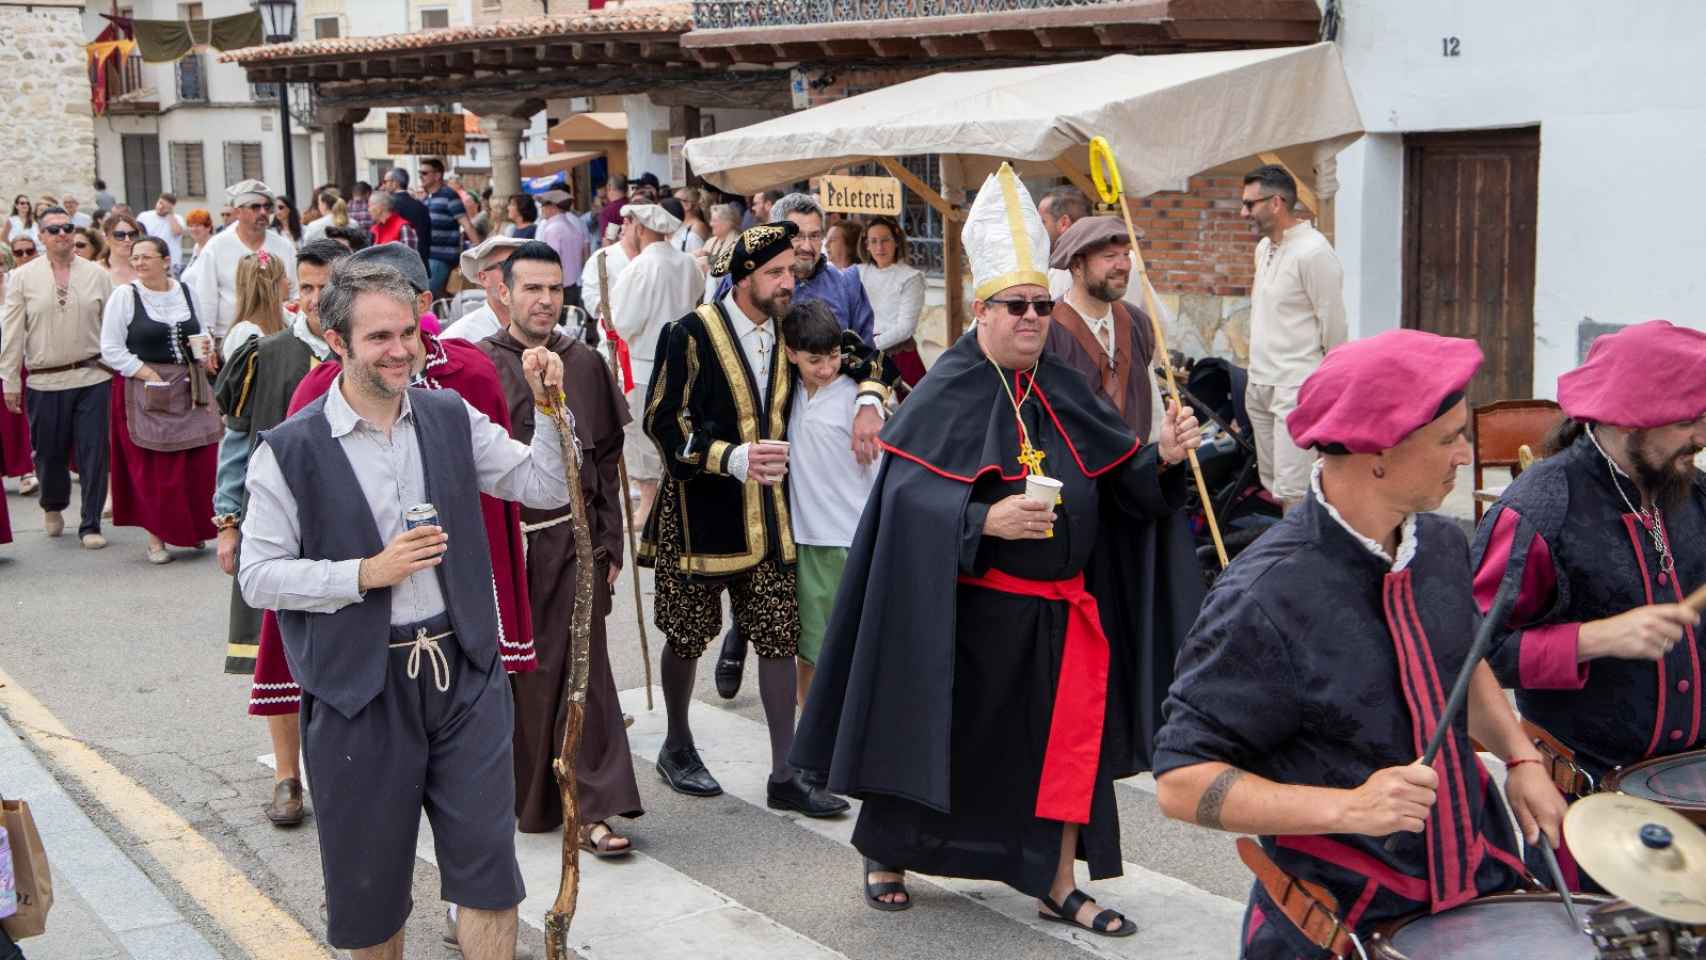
(325, 28)
(189, 171)
(435, 18)
(242, 161)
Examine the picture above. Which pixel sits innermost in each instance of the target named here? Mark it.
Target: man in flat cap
(1286, 720)
(559, 227)
(215, 282)
(483, 265)
(1111, 342)
(717, 408)
(1604, 538)
(658, 285)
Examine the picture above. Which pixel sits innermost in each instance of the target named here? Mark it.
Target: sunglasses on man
(263, 207)
(1017, 308)
(57, 229)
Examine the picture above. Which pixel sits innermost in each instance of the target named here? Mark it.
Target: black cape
(878, 719)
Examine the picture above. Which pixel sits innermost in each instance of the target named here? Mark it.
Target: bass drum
(1677, 781)
(1505, 926)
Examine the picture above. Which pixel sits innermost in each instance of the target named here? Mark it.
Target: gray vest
(340, 657)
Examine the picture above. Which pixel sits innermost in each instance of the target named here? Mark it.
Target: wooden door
(1469, 215)
(141, 170)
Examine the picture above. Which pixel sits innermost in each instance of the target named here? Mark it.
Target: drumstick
(1558, 882)
(1496, 614)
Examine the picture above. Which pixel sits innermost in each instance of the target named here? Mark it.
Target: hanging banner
(424, 134)
(871, 195)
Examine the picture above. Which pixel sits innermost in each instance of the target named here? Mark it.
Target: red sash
(622, 361)
(1080, 697)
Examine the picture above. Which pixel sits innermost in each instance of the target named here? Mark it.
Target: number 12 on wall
(1450, 47)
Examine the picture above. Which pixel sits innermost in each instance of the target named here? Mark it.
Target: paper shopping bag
(30, 872)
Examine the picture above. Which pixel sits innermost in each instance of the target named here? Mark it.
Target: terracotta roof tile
(654, 18)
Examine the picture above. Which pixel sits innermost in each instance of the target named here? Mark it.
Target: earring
(1379, 472)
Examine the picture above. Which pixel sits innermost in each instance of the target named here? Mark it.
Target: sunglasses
(125, 234)
(1251, 204)
(79, 245)
(1017, 308)
(264, 207)
(23, 251)
(60, 228)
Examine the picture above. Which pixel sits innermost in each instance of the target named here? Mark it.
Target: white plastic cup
(200, 344)
(1044, 490)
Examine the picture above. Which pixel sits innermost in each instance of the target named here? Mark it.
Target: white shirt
(827, 487)
(1406, 530)
(168, 307)
(1297, 306)
(659, 286)
(615, 258)
(275, 576)
(19, 230)
(896, 293)
(316, 230)
(473, 326)
(158, 226)
(686, 240)
(81, 219)
(214, 281)
(236, 336)
(756, 342)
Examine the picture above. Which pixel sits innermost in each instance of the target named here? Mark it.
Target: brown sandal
(603, 847)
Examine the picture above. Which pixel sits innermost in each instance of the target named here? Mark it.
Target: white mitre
(1004, 237)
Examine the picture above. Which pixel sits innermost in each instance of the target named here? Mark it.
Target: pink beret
(1647, 375)
(1368, 395)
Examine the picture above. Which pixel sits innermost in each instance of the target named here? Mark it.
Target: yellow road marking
(246, 914)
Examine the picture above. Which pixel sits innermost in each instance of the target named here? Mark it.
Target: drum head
(1677, 782)
(1511, 929)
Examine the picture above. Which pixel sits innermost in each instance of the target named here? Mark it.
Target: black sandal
(875, 891)
(1067, 912)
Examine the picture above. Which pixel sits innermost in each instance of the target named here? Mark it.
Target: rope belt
(546, 524)
(435, 653)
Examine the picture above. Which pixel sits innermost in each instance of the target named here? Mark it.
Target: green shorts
(819, 576)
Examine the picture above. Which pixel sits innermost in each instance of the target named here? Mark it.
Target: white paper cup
(775, 443)
(200, 343)
(1044, 490)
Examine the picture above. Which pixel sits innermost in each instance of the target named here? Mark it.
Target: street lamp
(279, 19)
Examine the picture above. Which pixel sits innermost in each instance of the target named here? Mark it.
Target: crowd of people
(972, 592)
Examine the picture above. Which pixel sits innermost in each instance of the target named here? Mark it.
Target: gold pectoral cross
(1031, 458)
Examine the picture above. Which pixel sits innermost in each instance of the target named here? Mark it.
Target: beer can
(420, 515)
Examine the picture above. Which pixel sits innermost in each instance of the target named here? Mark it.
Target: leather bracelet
(1513, 764)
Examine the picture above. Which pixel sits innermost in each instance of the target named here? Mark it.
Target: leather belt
(93, 362)
(1309, 907)
(1567, 775)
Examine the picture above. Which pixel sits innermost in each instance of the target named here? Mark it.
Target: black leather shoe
(685, 773)
(793, 794)
(731, 663)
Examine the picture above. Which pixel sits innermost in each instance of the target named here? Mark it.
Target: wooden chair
(1506, 435)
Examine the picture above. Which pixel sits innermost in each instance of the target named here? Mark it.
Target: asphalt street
(128, 658)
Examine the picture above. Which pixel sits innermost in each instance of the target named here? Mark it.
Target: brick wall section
(1195, 242)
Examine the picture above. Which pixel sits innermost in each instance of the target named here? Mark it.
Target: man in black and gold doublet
(719, 390)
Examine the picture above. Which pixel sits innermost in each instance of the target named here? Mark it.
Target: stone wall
(44, 102)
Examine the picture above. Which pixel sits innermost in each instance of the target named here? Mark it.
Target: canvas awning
(556, 162)
(1167, 118)
(591, 127)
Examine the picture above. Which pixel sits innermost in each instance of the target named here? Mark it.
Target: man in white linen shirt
(392, 632)
(214, 282)
(1297, 314)
(484, 265)
(163, 223)
(656, 287)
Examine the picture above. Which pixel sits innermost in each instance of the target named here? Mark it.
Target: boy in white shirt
(827, 486)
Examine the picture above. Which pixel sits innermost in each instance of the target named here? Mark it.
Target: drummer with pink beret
(1321, 665)
(1606, 535)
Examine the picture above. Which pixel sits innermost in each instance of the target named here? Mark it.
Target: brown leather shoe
(286, 810)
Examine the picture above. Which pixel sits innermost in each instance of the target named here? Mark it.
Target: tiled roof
(653, 18)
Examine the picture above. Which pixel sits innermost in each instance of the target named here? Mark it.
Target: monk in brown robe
(1112, 343)
(532, 287)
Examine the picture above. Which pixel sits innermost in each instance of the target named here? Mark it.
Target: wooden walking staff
(562, 912)
(1106, 174)
(627, 498)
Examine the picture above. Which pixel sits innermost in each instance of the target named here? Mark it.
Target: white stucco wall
(1616, 92)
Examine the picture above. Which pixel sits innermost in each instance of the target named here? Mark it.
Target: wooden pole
(562, 912)
(627, 498)
(953, 249)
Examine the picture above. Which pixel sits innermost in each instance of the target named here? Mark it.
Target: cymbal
(1641, 851)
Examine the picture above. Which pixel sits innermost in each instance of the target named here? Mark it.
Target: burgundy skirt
(168, 494)
(274, 692)
(15, 440)
(910, 364)
(5, 520)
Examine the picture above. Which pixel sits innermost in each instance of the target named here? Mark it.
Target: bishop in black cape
(934, 698)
